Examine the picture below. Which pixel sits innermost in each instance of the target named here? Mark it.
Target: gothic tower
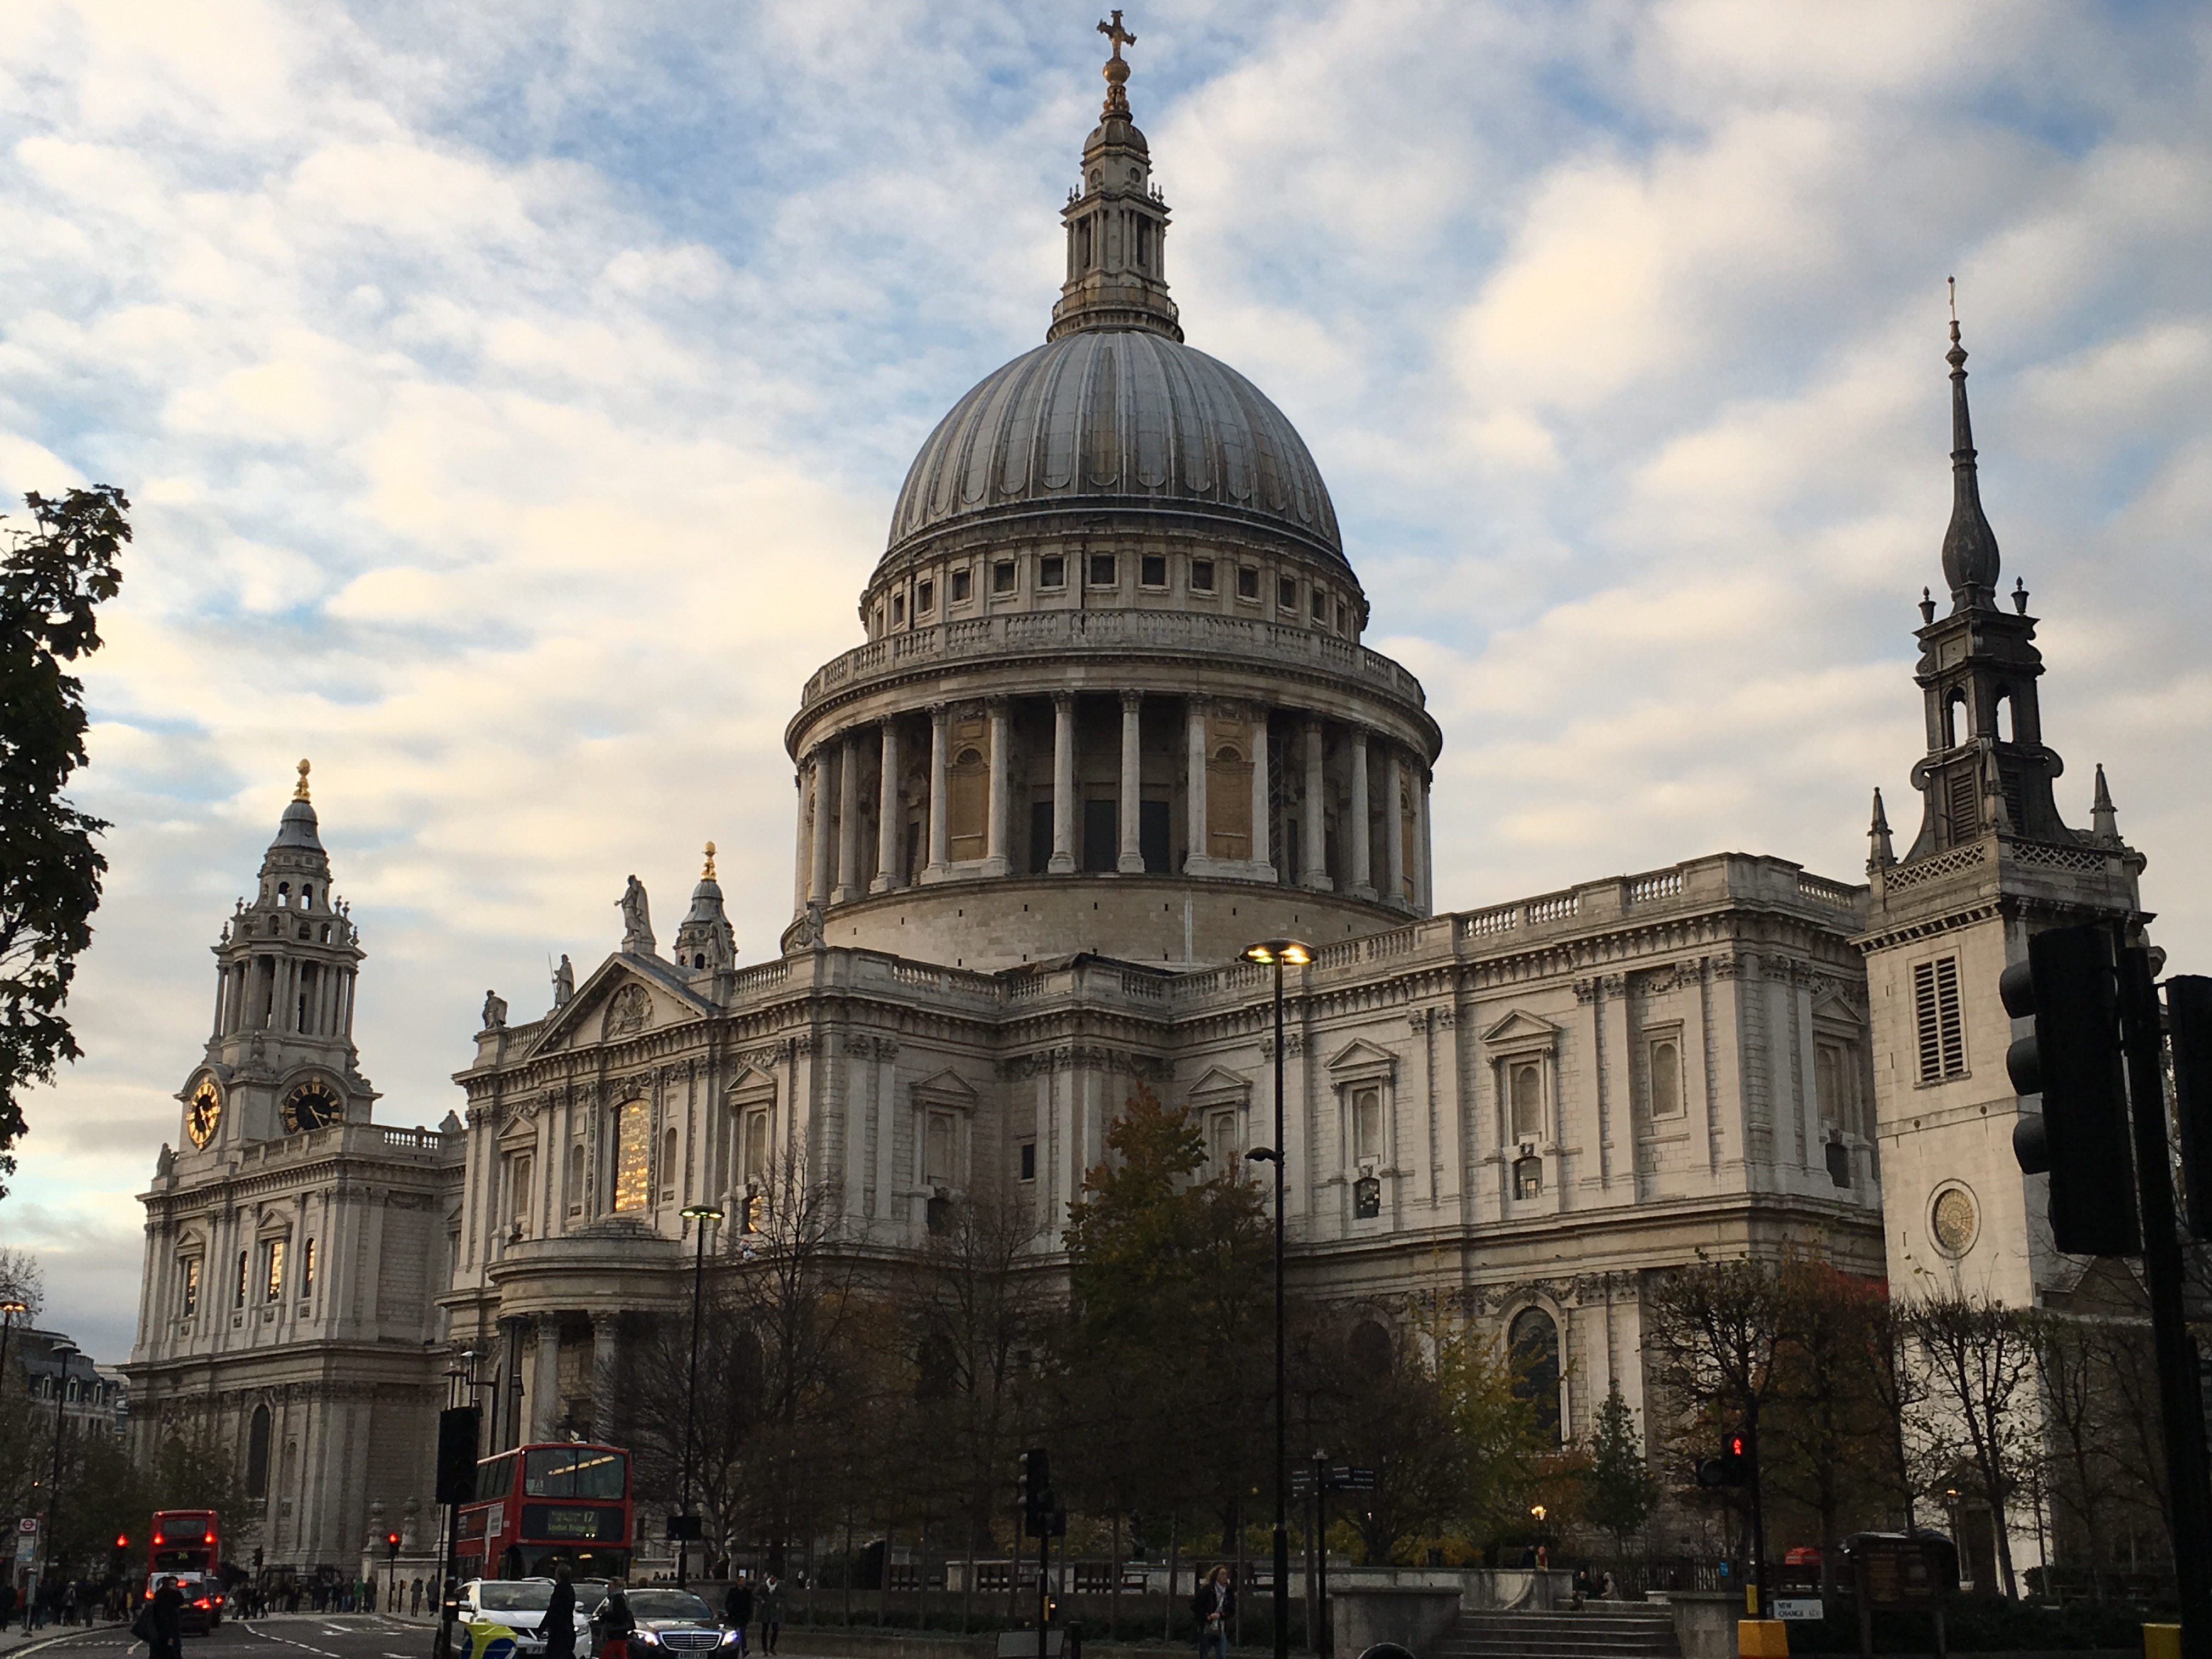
(1992, 864)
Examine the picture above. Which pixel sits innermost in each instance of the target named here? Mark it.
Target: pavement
(278, 1636)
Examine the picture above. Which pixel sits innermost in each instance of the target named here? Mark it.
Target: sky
(512, 399)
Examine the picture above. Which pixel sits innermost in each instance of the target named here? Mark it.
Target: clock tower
(280, 1060)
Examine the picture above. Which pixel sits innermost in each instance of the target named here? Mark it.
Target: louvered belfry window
(1942, 1028)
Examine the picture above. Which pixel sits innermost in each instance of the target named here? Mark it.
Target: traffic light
(2068, 986)
(392, 1547)
(1731, 1468)
(1038, 1499)
(2189, 1024)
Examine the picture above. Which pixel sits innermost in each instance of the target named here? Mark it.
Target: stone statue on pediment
(564, 982)
(637, 920)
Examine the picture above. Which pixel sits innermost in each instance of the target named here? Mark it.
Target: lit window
(1002, 576)
(1941, 1027)
(1529, 1177)
(1153, 572)
(238, 1291)
(1102, 570)
(307, 1268)
(1052, 571)
(632, 1156)
(1201, 576)
(961, 583)
(191, 1268)
(272, 1270)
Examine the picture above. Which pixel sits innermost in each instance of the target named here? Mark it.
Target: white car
(518, 1605)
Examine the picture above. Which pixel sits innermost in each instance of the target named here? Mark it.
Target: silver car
(518, 1605)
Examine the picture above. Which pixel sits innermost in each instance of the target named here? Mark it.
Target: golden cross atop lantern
(300, 793)
(1117, 69)
(708, 874)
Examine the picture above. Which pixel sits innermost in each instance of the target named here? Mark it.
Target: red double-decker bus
(540, 1505)
(187, 1546)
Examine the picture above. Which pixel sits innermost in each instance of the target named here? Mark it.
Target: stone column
(1062, 861)
(606, 1335)
(802, 862)
(1197, 860)
(1425, 898)
(545, 1378)
(1394, 828)
(848, 821)
(940, 789)
(506, 1431)
(1132, 859)
(1314, 855)
(994, 839)
(1362, 863)
(817, 880)
(890, 820)
(1263, 821)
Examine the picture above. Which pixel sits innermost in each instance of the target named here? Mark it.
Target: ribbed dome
(1116, 418)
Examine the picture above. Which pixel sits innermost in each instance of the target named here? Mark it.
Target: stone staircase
(1602, 1630)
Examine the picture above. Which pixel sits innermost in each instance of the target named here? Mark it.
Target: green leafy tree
(52, 582)
(1619, 1493)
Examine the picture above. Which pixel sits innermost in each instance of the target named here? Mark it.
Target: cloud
(514, 401)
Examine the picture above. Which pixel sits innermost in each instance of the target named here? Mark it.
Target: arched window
(668, 1164)
(1524, 1083)
(1369, 1347)
(633, 1155)
(306, 895)
(1957, 725)
(284, 892)
(1533, 1341)
(2001, 727)
(257, 1454)
(575, 1193)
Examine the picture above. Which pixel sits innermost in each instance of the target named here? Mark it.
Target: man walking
(559, 1622)
(166, 1615)
(738, 1609)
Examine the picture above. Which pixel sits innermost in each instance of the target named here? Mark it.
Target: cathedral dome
(1110, 418)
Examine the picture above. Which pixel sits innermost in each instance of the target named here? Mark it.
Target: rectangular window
(238, 1291)
(1319, 605)
(1152, 571)
(1286, 592)
(1029, 1160)
(1201, 576)
(1664, 1059)
(307, 1268)
(190, 1268)
(1529, 1177)
(1002, 576)
(1248, 581)
(1052, 571)
(1829, 1083)
(960, 586)
(1524, 1084)
(898, 609)
(272, 1270)
(1942, 1028)
(1101, 570)
(925, 599)
(1366, 1125)
(517, 1190)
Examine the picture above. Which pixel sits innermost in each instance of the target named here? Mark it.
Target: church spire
(1880, 854)
(1970, 546)
(1117, 222)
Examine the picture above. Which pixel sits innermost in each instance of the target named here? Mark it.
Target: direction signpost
(1315, 1479)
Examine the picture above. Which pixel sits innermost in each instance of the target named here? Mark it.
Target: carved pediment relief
(628, 1011)
(1522, 1031)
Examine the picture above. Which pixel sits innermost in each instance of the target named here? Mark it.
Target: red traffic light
(392, 1538)
(1735, 1445)
(121, 1541)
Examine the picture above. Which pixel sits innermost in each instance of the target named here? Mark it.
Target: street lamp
(63, 1353)
(699, 1215)
(1274, 953)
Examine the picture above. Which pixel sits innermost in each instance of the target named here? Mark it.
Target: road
(280, 1636)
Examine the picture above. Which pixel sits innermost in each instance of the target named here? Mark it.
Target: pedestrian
(166, 1617)
(738, 1609)
(1214, 1609)
(559, 1625)
(617, 1627)
(769, 1605)
(416, 1597)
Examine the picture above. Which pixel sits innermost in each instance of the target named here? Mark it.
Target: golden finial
(301, 793)
(1117, 70)
(708, 874)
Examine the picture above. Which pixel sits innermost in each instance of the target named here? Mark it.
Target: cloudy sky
(512, 398)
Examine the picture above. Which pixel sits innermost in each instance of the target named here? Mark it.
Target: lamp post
(8, 1312)
(63, 1353)
(1274, 953)
(698, 1215)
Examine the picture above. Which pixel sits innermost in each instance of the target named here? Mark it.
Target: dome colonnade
(1114, 635)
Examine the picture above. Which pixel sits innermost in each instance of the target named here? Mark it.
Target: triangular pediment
(1217, 1082)
(947, 1085)
(1521, 1028)
(1836, 1011)
(625, 996)
(1361, 1054)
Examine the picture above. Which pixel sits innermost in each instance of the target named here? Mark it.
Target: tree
(1619, 1493)
(1812, 1444)
(52, 582)
(1981, 1358)
(22, 1279)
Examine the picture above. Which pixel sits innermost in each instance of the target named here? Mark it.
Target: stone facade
(293, 1246)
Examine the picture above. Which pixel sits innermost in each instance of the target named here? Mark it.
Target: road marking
(324, 1652)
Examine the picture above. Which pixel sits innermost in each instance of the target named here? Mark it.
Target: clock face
(204, 1112)
(312, 1105)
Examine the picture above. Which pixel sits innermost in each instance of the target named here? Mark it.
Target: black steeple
(1970, 546)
